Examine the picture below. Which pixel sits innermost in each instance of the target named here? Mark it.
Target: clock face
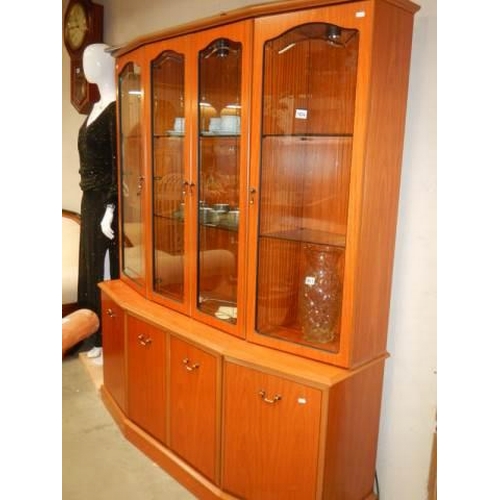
(76, 26)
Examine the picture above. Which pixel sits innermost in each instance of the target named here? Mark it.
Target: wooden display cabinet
(260, 155)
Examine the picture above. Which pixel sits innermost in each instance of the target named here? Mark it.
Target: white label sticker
(360, 13)
(301, 401)
(310, 280)
(301, 114)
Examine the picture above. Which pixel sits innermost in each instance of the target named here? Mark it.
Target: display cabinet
(260, 156)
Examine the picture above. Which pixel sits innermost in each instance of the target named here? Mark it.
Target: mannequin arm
(107, 220)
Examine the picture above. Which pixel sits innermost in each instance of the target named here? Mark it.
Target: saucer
(175, 133)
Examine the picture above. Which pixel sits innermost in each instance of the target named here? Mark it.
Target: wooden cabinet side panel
(270, 449)
(381, 179)
(193, 406)
(352, 434)
(113, 344)
(147, 377)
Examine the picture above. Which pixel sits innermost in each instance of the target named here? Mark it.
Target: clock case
(83, 93)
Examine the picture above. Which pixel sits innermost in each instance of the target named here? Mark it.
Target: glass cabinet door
(218, 228)
(306, 141)
(169, 190)
(132, 172)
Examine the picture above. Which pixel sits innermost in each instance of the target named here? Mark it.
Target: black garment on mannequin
(98, 174)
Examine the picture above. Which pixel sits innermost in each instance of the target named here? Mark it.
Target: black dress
(98, 181)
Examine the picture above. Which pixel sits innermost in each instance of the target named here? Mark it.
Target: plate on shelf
(228, 132)
(175, 133)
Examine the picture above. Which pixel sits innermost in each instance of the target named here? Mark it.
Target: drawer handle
(190, 368)
(262, 394)
(143, 340)
(110, 313)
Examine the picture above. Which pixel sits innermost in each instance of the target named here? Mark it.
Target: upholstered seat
(70, 236)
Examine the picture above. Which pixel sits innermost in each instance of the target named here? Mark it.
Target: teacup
(215, 124)
(179, 124)
(230, 123)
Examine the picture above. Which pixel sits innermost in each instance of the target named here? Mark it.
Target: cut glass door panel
(306, 149)
(168, 98)
(132, 172)
(220, 69)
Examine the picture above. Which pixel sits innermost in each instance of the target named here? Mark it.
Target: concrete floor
(98, 463)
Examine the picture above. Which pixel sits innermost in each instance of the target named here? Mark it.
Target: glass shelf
(307, 135)
(309, 236)
(215, 135)
(222, 225)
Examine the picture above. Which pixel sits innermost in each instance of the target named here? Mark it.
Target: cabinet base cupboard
(243, 421)
(259, 161)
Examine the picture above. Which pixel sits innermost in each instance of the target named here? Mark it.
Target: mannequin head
(98, 65)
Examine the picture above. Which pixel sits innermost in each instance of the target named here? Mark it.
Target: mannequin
(98, 174)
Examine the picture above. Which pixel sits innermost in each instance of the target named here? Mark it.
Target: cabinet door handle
(110, 313)
(253, 191)
(190, 368)
(262, 394)
(143, 340)
(139, 185)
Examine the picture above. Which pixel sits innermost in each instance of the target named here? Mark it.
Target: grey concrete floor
(98, 463)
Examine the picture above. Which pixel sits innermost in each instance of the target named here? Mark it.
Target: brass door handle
(190, 367)
(275, 399)
(143, 340)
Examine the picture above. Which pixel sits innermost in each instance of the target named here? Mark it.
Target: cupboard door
(193, 384)
(223, 69)
(146, 363)
(305, 138)
(132, 170)
(271, 430)
(113, 346)
(170, 172)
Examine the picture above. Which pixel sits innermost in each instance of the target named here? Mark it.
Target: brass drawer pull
(262, 394)
(110, 313)
(189, 367)
(143, 340)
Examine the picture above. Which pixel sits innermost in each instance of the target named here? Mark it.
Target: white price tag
(301, 114)
(310, 280)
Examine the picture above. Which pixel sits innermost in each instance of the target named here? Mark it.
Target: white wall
(409, 399)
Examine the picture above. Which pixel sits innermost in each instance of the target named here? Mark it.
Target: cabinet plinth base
(162, 456)
(191, 479)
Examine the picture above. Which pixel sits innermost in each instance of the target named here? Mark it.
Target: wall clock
(82, 26)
